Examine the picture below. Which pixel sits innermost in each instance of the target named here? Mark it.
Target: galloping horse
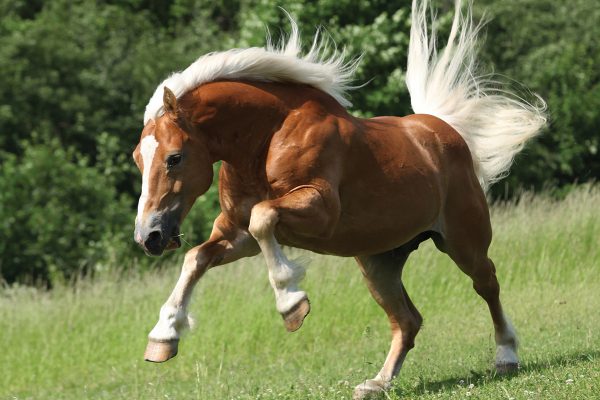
(298, 170)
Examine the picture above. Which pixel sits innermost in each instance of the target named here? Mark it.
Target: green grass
(87, 341)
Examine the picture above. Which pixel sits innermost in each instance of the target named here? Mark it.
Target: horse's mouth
(175, 240)
(174, 243)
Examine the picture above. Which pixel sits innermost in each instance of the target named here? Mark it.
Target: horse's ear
(169, 101)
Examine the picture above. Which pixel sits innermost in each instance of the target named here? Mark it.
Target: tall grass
(87, 340)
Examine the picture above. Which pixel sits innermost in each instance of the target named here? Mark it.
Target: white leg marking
(284, 275)
(148, 146)
(173, 318)
(284, 278)
(507, 345)
(170, 324)
(391, 368)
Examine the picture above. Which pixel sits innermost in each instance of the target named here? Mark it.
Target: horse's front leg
(304, 212)
(227, 243)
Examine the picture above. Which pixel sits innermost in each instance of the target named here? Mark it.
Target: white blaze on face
(148, 146)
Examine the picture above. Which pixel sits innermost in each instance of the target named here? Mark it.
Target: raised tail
(494, 122)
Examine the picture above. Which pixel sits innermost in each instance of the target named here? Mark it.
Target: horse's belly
(350, 244)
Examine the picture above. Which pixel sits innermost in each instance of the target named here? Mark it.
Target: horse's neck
(240, 119)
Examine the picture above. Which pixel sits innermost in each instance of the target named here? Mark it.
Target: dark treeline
(75, 77)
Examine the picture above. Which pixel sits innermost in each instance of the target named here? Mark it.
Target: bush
(553, 49)
(58, 214)
(72, 69)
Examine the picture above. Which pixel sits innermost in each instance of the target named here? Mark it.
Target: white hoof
(370, 389)
(507, 360)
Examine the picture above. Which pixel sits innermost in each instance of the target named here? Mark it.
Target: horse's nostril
(153, 240)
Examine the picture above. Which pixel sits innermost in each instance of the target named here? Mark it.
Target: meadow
(86, 341)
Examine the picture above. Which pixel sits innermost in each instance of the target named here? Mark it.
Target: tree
(552, 48)
(75, 77)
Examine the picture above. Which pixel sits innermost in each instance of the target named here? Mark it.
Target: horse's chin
(173, 244)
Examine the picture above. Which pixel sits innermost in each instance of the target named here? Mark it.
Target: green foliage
(377, 30)
(59, 215)
(78, 75)
(553, 48)
(81, 68)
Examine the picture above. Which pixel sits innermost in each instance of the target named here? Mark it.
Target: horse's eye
(173, 160)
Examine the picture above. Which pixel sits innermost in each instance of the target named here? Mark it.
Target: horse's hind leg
(466, 238)
(383, 277)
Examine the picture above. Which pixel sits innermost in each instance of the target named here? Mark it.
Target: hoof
(369, 390)
(294, 318)
(160, 351)
(506, 368)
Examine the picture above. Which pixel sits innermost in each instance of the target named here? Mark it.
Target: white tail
(493, 121)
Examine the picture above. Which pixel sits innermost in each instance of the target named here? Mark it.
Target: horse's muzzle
(162, 233)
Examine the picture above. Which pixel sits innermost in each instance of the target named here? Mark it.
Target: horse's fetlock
(509, 339)
(170, 313)
(287, 274)
(283, 277)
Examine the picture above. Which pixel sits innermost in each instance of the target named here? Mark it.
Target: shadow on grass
(480, 378)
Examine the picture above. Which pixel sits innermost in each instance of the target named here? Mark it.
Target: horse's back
(436, 136)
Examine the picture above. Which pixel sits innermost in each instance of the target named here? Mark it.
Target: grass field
(87, 341)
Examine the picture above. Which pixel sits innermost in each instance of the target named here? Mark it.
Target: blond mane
(321, 68)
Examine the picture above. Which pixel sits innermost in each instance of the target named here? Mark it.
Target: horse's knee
(196, 262)
(262, 220)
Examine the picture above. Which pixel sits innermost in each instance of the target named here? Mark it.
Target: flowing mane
(323, 69)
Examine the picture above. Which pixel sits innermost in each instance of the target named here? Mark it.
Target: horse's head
(176, 168)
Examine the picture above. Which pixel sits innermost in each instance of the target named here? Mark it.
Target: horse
(298, 170)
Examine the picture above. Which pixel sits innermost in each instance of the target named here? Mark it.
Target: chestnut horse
(298, 170)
